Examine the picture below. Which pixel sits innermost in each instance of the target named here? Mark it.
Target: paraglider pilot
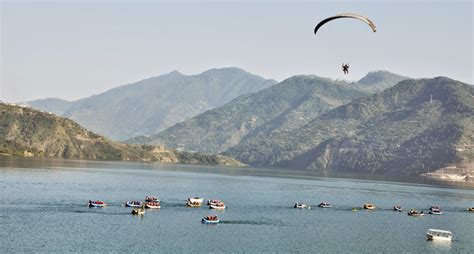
(345, 68)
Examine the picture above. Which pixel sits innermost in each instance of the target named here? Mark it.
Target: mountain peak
(380, 80)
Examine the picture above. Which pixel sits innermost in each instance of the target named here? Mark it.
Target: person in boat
(345, 68)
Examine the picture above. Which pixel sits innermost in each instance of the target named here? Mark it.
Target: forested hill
(414, 127)
(32, 133)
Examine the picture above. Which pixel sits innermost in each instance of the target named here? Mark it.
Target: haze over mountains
(382, 124)
(285, 106)
(153, 104)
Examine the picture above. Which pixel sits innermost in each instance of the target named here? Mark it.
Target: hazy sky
(73, 49)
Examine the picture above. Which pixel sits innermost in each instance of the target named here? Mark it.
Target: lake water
(43, 209)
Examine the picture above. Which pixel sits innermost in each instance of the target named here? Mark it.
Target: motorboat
(415, 213)
(134, 204)
(193, 204)
(195, 200)
(398, 208)
(218, 206)
(369, 206)
(213, 201)
(299, 205)
(152, 199)
(325, 205)
(439, 235)
(153, 205)
(436, 212)
(470, 209)
(96, 203)
(212, 219)
(138, 211)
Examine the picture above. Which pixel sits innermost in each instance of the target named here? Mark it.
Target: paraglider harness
(345, 68)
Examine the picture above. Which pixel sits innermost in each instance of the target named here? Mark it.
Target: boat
(211, 219)
(415, 213)
(470, 209)
(325, 205)
(97, 203)
(398, 208)
(369, 206)
(213, 201)
(439, 235)
(134, 204)
(153, 205)
(435, 210)
(193, 204)
(195, 200)
(138, 211)
(218, 206)
(299, 205)
(152, 199)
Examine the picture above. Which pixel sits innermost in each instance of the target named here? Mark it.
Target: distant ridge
(153, 104)
(288, 105)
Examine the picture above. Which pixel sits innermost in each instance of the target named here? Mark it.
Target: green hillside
(32, 133)
(285, 106)
(401, 131)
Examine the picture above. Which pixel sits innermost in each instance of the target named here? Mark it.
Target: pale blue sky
(73, 49)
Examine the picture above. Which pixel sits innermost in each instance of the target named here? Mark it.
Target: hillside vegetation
(32, 133)
(285, 106)
(414, 127)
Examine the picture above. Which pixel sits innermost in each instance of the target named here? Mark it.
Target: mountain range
(285, 106)
(153, 104)
(414, 127)
(31, 133)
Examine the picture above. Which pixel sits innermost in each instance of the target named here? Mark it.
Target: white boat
(325, 205)
(398, 208)
(138, 211)
(439, 235)
(369, 206)
(152, 199)
(218, 206)
(436, 212)
(213, 201)
(134, 204)
(415, 213)
(193, 204)
(299, 205)
(195, 200)
(97, 203)
(153, 205)
(210, 219)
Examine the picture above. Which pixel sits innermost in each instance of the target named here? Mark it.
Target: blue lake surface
(43, 209)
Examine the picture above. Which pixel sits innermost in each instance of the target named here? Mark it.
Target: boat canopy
(439, 232)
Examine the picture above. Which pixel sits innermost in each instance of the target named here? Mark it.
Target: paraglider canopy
(347, 15)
